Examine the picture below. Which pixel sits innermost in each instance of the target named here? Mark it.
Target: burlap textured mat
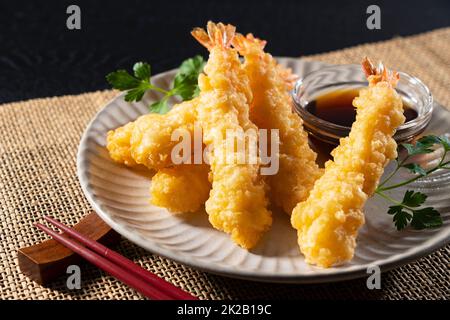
(38, 144)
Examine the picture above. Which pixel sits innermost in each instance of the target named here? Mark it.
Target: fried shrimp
(237, 204)
(272, 109)
(151, 140)
(118, 144)
(328, 221)
(182, 188)
(147, 141)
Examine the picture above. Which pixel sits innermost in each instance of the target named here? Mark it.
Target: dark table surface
(40, 57)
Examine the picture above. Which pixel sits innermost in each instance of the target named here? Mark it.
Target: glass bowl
(413, 91)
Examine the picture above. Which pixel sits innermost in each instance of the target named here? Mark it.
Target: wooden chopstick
(106, 265)
(164, 286)
(118, 266)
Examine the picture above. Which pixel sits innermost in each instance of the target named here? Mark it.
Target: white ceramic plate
(121, 197)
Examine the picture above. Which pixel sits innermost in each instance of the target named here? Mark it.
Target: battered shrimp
(272, 109)
(147, 141)
(181, 188)
(328, 221)
(118, 144)
(289, 187)
(151, 143)
(237, 204)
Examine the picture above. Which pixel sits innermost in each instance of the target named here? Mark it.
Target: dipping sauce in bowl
(336, 107)
(323, 99)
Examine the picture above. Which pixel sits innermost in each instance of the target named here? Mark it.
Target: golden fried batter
(118, 144)
(237, 203)
(148, 141)
(328, 221)
(151, 143)
(182, 188)
(272, 109)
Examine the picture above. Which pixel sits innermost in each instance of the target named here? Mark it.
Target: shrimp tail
(379, 73)
(247, 44)
(216, 34)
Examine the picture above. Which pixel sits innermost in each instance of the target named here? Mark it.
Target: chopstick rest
(45, 261)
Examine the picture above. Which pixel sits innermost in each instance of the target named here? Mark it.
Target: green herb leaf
(406, 211)
(422, 145)
(192, 66)
(122, 80)
(142, 71)
(416, 149)
(415, 168)
(419, 218)
(445, 141)
(400, 217)
(426, 218)
(159, 106)
(184, 85)
(196, 91)
(186, 80)
(413, 199)
(429, 140)
(137, 93)
(136, 86)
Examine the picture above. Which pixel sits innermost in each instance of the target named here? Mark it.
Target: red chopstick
(119, 273)
(125, 263)
(120, 267)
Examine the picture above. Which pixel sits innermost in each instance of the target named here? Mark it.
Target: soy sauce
(337, 107)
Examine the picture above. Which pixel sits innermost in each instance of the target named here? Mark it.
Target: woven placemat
(38, 144)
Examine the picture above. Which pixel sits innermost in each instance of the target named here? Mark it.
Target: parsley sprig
(410, 209)
(184, 84)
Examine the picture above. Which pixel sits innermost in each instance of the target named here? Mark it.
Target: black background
(40, 57)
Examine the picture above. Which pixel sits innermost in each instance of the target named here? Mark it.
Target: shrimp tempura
(328, 221)
(148, 140)
(118, 144)
(151, 143)
(272, 109)
(181, 188)
(237, 204)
